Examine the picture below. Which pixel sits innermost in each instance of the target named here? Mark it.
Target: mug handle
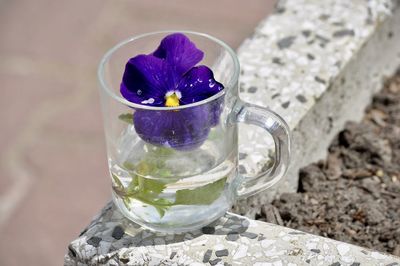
(279, 130)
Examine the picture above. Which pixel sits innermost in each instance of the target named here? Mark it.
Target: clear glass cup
(182, 188)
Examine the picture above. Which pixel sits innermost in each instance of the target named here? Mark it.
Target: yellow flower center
(172, 100)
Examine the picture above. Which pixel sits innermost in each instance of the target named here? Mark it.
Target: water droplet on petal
(139, 92)
(212, 83)
(150, 100)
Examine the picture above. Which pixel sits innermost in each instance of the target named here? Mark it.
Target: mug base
(168, 228)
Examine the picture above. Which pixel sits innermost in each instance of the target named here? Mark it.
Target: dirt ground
(353, 195)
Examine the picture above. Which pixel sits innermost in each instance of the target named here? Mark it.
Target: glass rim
(110, 52)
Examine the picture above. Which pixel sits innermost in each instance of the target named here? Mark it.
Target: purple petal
(180, 53)
(146, 80)
(215, 110)
(180, 129)
(198, 84)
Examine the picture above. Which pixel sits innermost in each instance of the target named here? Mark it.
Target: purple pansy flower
(169, 77)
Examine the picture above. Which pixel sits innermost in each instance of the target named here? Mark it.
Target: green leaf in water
(162, 205)
(128, 166)
(202, 195)
(159, 151)
(164, 173)
(145, 189)
(148, 190)
(121, 191)
(117, 181)
(133, 188)
(127, 202)
(161, 210)
(214, 135)
(155, 186)
(127, 118)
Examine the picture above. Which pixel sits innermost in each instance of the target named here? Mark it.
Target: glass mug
(184, 188)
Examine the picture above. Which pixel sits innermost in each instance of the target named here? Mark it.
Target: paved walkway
(53, 173)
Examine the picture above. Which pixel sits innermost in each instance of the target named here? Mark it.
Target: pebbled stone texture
(257, 243)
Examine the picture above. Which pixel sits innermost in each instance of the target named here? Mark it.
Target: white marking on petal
(150, 100)
(211, 83)
(169, 93)
(177, 93)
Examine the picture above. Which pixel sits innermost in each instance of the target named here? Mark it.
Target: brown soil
(353, 195)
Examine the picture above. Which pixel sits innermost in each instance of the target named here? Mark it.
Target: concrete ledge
(111, 239)
(317, 64)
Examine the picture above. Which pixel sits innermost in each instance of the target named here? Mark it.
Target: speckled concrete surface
(233, 240)
(316, 63)
(294, 54)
